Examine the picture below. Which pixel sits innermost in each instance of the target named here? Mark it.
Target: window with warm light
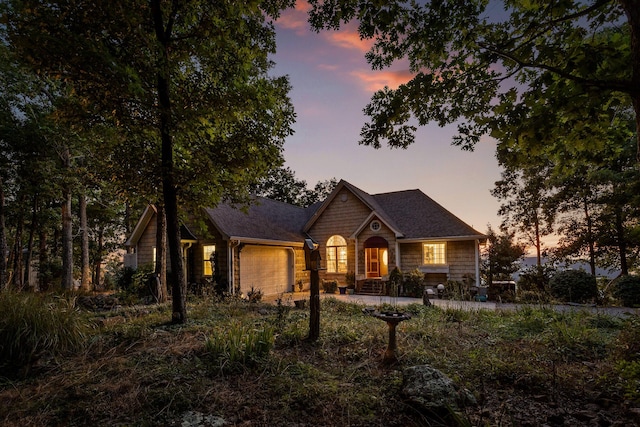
(434, 253)
(336, 254)
(207, 251)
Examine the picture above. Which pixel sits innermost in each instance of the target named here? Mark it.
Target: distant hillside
(530, 261)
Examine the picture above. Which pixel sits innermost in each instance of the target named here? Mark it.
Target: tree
(472, 59)
(281, 184)
(189, 75)
(501, 256)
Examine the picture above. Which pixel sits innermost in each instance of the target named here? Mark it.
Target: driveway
(369, 300)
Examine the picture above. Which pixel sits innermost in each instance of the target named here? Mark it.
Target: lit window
(336, 255)
(207, 252)
(434, 253)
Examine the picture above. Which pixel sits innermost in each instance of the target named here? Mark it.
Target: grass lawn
(249, 364)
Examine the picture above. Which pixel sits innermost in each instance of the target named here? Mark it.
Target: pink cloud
(349, 39)
(376, 80)
(296, 18)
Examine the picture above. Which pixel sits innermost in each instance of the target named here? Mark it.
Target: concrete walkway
(374, 301)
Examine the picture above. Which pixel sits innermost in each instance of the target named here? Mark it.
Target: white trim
(141, 226)
(367, 221)
(477, 262)
(265, 242)
(439, 239)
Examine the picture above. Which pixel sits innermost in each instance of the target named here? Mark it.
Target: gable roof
(418, 216)
(138, 230)
(410, 214)
(265, 220)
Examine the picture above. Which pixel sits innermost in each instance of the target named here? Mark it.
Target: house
(356, 232)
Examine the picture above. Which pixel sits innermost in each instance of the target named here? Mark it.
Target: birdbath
(392, 318)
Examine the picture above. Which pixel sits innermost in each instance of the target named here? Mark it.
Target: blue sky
(332, 83)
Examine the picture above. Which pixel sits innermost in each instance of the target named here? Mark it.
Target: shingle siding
(144, 248)
(339, 218)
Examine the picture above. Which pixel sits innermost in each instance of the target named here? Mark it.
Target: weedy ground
(249, 364)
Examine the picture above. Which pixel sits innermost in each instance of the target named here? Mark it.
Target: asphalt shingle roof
(411, 213)
(418, 216)
(265, 219)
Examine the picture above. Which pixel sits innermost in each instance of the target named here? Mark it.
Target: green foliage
(329, 286)
(281, 184)
(629, 372)
(413, 283)
(254, 295)
(501, 255)
(464, 58)
(574, 286)
(32, 327)
(627, 290)
(350, 279)
(239, 346)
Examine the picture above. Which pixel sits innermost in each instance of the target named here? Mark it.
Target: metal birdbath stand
(392, 318)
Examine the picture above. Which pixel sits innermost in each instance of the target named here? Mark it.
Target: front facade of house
(368, 235)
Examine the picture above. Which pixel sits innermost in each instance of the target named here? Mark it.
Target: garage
(269, 269)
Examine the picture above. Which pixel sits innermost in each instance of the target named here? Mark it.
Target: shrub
(574, 285)
(413, 284)
(31, 327)
(627, 290)
(329, 286)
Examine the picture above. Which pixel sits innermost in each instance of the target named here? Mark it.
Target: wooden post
(312, 261)
(314, 306)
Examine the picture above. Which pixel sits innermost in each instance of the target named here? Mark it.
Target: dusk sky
(332, 83)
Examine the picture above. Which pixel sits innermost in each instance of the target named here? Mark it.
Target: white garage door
(266, 268)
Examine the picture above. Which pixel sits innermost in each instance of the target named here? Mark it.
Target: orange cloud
(376, 80)
(349, 40)
(296, 18)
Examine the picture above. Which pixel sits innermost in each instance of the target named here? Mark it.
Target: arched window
(336, 254)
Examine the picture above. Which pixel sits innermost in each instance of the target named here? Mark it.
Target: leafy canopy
(471, 60)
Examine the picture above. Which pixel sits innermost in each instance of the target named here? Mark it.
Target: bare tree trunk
(97, 269)
(29, 253)
(622, 243)
(17, 248)
(3, 240)
(590, 242)
(85, 280)
(67, 230)
(43, 260)
(178, 285)
(160, 290)
(537, 242)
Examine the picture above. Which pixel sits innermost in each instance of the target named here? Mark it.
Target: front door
(376, 260)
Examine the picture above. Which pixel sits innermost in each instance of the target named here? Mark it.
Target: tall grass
(32, 326)
(239, 346)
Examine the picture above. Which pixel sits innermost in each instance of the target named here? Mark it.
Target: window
(375, 226)
(207, 252)
(336, 255)
(434, 253)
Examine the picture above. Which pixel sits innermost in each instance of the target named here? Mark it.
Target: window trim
(436, 254)
(337, 256)
(207, 260)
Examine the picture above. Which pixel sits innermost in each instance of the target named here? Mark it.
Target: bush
(31, 327)
(627, 290)
(413, 284)
(329, 286)
(574, 285)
